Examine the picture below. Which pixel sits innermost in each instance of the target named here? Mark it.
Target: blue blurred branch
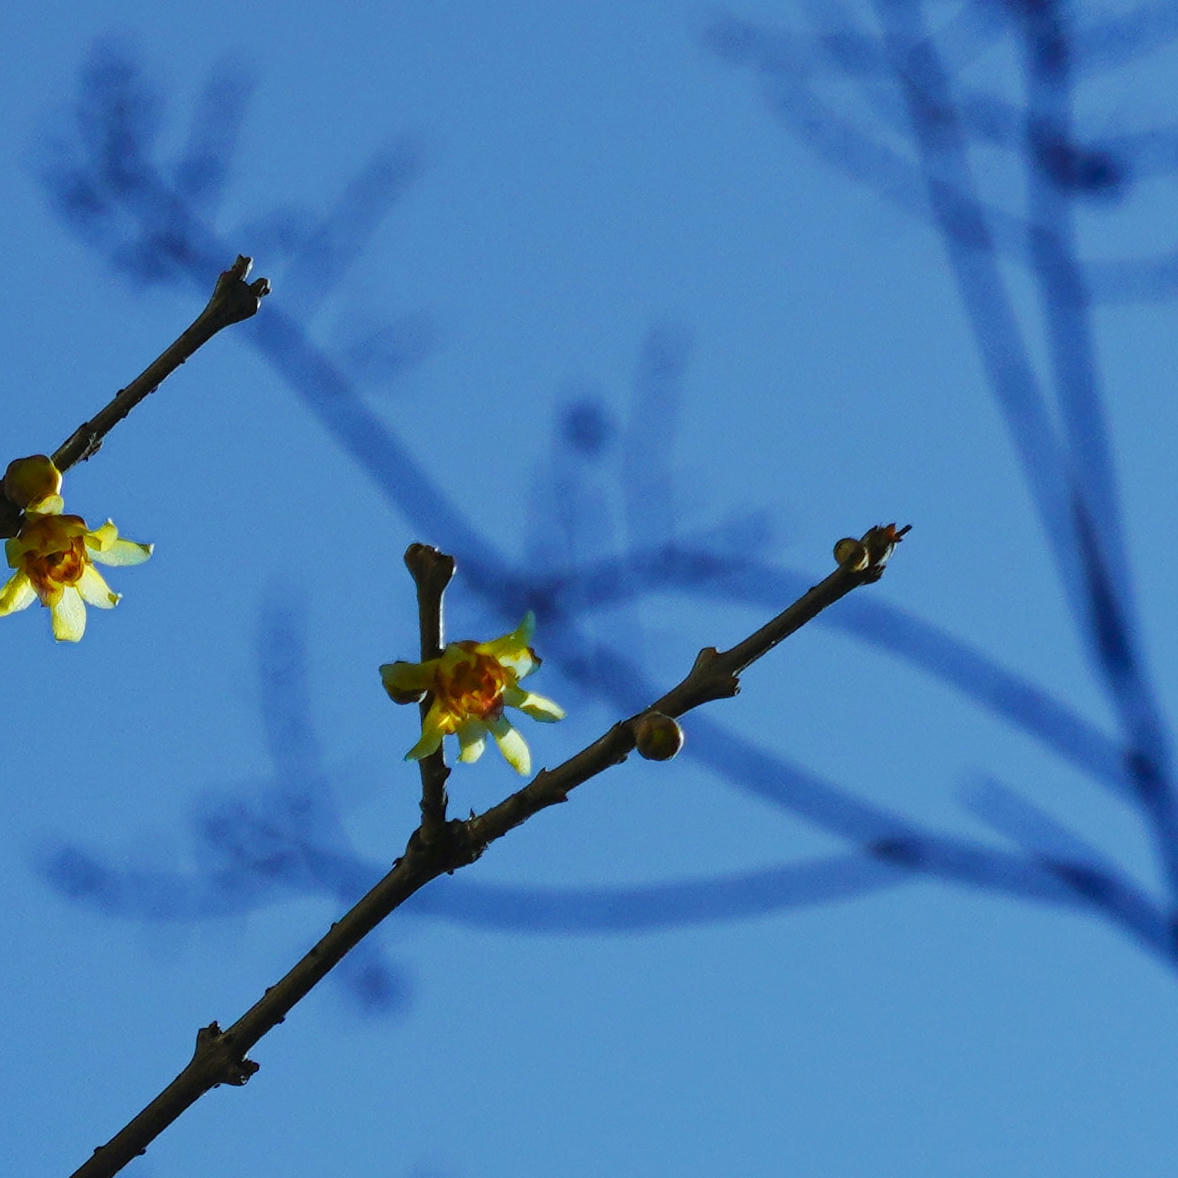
(1072, 479)
(106, 186)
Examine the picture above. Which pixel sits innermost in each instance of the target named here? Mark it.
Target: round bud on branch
(851, 554)
(29, 480)
(657, 737)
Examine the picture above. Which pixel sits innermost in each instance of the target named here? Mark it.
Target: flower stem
(431, 571)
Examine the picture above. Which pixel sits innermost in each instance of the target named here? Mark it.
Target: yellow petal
(50, 505)
(513, 746)
(68, 613)
(105, 547)
(433, 728)
(539, 707)
(95, 590)
(472, 739)
(17, 594)
(427, 745)
(512, 650)
(522, 634)
(407, 677)
(521, 663)
(102, 537)
(49, 593)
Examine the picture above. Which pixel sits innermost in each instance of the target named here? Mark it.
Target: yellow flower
(53, 555)
(470, 684)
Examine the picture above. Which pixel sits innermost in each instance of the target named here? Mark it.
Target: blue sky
(623, 279)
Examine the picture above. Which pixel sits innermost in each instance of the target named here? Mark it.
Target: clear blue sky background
(593, 188)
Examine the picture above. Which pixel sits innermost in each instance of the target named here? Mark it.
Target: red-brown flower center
(55, 552)
(473, 685)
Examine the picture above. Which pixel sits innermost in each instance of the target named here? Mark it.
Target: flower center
(55, 552)
(472, 684)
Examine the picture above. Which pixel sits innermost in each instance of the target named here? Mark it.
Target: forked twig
(439, 847)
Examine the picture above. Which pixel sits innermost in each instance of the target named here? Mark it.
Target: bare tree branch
(221, 1056)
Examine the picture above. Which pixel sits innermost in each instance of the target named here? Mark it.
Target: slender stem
(431, 571)
(714, 675)
(220, 1056)
(233, 300)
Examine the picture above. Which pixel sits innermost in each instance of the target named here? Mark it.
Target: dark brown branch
(233, 300)
(431, 571)
(715, 675)
(220, 1056)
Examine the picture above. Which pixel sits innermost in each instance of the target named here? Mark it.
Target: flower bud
(392, 675)
(658, 737)
(851, 554)
(881, 541)
(29, 480)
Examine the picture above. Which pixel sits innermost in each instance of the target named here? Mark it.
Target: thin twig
(220, 1056)
(431, 571)
(715, 675)
(233, 300)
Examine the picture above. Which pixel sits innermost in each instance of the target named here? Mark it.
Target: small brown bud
(658, 737)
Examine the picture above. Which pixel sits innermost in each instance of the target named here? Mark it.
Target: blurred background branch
(1035, 163)
(109, 186)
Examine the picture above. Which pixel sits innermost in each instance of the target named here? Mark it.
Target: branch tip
(431, 569)
(871, 552)
(232, 301)
(233, 298)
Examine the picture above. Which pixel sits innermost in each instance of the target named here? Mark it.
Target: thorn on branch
(543, 781)
(229, 1069)
(721, 682)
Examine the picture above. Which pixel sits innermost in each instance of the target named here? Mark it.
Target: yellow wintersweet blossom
(53, 555)
(470, 685)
